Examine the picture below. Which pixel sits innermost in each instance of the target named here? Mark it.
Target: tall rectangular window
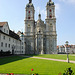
(13, 40)
(5, 44)
(22, 47)
(9, 39)
(9, 45)
(7, 31)
(4, 30)
(0, 36)
(4, 37)
(1, 44)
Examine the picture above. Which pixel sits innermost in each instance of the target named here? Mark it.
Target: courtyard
(23, 65)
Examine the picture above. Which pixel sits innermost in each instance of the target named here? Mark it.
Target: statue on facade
(30, 1)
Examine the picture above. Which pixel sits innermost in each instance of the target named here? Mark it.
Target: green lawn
(57, 56)
(22, 65)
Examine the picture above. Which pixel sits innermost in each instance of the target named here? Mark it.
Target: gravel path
(51, 59)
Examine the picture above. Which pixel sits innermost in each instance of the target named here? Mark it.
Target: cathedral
(40, 36)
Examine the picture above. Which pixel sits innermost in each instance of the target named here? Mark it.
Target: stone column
(55, 45)
(47, 46)
(47, 27)
(26, 29)
(54, 12)
(42, 46)
(37, 44)
(54, 26)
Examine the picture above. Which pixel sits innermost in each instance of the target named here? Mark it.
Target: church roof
(40, 22)
(19, 32)
(21, 35)
(11, 34)
(2, 24)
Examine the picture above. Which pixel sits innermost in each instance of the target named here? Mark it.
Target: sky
(13, 11)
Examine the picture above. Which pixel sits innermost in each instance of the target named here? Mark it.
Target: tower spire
(50, 0)
(39, 16)
(30, 1)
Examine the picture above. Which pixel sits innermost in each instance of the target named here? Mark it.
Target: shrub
(68, 71)
(7, 53)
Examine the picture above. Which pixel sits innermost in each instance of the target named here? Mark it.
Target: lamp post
(13, 47)
(67, 51)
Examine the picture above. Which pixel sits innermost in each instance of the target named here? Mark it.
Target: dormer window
(4, 30)
(9, 39)
(7, 31)
(4, 37)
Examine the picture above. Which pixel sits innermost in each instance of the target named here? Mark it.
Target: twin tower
(40, 37)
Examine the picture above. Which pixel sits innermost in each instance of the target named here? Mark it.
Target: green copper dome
(22, 35)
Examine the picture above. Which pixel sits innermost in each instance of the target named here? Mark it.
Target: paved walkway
(72, 55)
(51, 59)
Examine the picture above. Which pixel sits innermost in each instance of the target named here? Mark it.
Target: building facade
(64, 49)
(40, 37)
(10, 41)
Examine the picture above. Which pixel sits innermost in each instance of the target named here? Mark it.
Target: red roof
(57, 46)
(67, 46)
(2, 24)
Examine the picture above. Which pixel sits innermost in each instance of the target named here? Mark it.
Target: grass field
(57, 56)
(22, 65)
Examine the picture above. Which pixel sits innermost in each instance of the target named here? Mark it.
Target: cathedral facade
(40, 37)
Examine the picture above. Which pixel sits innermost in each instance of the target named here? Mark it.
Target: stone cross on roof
(30, 1)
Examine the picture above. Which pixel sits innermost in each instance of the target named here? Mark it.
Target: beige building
(40, 37)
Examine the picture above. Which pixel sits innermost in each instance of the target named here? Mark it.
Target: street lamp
(67, 51)
(13, 47)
